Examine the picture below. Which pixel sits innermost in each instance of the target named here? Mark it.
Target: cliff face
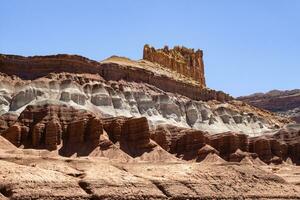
(286, 103)
(81, 132)
(133, 71)
(122, 129)
(184, 61)
(124, 98)
(116, 71)
(33, 67)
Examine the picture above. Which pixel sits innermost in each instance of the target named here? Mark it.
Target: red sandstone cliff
(81, 132)
(180, 59)
(55, 113)
(188, 144)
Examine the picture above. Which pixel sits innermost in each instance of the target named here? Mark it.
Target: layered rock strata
(33, 67)
(39, 66)
(285, 103)
(72, 131)
(190, 144)
(186, 62)
(121, 98)
(78, 132)
(126, 130)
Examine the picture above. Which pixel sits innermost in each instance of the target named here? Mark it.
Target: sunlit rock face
(285, 103)
(76, 131)
(123, 129)
(130, 99)
(121, 87)
(185, 61)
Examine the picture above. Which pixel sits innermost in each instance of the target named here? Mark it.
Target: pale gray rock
(112, 99)
(24, 97)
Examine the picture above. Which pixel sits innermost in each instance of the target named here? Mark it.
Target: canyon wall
(133, 99)
(285, 103)
(184, 61)
(33, 67)
(81, 132)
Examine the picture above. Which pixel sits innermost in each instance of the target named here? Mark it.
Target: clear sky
(249, 45)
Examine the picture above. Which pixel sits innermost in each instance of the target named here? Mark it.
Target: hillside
(285, 103)
(74, 128)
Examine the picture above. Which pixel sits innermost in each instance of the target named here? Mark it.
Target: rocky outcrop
(135, 137)
(189, 144)
(7, 120)
(182, 142)
(286, 103)
(78, 132)
(121, 98)
(239, 155)
(13, 134)
(132, 134)
(78, 113)
(115, 71)
(205, 151)
(39, 66)
(228, 143)
(33, 67)
(53, 134)
(128, 129)
(47, 125)
(184, 61)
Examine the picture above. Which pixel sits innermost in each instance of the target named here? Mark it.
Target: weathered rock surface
(286, 103)
(45, 126)
(182, 60)
(79, 132)
(132, 134)
(129, 128)
(31, 176)
(121, 98)
(190, 144)
(117, 68)
(205, 151)
(39, 66)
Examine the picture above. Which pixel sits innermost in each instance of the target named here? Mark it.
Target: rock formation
(47, 125)
(189, 144)
(79, 131)
(121, 129)
(285, 103)
(123, 98)
(132, 134)
(205, 151)
(33, 67)
(72, 131)
(182, 60)
(39, 66)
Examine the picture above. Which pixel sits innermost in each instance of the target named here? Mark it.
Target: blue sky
(249, 46)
